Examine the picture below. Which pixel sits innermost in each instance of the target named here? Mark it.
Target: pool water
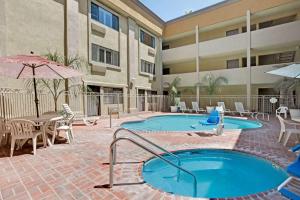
(219, 174)
(186, 123)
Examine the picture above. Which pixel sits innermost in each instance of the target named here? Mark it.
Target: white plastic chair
(282, 110)
(4, 131)
(51, 128)
(295, 114)
(222, 104)
(182, 106)
(66, 123)
(88, 121)
(240, 109)
(195, 107)
(23, 129)
(286, 133)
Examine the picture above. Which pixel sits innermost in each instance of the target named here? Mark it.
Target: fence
(19, 104)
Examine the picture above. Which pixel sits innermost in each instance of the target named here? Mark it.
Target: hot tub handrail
(146, 140)
(111, 165)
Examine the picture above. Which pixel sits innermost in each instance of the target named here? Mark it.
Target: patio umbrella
(291, 71)
(34, 67)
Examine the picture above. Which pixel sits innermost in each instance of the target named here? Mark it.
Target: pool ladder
(113, 151)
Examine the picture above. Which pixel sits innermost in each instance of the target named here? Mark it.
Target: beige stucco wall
(27, 28)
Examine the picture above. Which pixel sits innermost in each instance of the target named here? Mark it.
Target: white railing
(16, 104)
(19, 104)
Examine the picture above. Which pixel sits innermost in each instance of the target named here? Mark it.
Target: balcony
(237, 76)
(281, 35)
(276, 36)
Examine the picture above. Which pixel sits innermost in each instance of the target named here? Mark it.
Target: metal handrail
(111, 165)
(144, 139)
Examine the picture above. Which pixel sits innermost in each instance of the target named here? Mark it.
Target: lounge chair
(182, 107)
(240, 109)
(294, 171)
(295, 114)
(196, 108)
(88, 121)
(286, 133)
(213, 119)
(222, 104)
(282, 110)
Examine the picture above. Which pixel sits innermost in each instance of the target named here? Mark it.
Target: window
(232, 63)
(232, 32)
(165, 46)
(147, 39)
(113, 95)
(104, 55)
(252, 28)
(284, 57)
(147, 67)
(253, 61)
(166, 71)
(105, 17)
(275, 22)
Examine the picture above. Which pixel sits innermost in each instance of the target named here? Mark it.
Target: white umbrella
(291, 71)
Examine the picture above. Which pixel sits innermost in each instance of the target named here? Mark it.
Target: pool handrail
(146, 140)
(111, 165)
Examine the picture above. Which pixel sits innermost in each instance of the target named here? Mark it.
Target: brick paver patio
(66, 171)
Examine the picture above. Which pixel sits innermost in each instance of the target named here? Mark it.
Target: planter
(209, 109)
(174, 109)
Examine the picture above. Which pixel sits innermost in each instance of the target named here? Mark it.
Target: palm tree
(211, 84)
(173, 89)
(55, 86)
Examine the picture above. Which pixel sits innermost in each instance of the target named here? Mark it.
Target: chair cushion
(294, 168)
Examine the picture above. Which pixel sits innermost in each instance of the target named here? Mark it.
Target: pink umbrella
(32, 66)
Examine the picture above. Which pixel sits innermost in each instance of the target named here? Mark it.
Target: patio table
(41, 121)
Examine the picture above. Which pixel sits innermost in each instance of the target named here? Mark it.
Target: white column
(102, 107)
(197, 63)
(248, 59)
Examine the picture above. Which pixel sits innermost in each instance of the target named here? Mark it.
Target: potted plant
(211, 85)
(173, 94)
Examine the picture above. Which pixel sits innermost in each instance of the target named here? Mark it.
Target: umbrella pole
(36, 100)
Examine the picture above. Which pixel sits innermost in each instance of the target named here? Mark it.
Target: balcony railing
(284, 34)
(235, 76)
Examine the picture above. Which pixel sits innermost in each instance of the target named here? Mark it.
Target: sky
(170, 9)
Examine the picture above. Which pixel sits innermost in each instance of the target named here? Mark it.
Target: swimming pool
(186, 123)
(219, 174)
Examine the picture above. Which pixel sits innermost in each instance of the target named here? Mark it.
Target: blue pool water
(186, 123)
(219, 174)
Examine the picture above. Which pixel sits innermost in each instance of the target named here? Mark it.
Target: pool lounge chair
(286, 133)
(213, 119)
(79, 117)
(222, 104)
(196, 108)
(294, 171)
(240, 109)
(182, 107)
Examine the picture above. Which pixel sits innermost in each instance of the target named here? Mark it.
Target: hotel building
(129, 50)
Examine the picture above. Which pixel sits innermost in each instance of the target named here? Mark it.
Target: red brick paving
(66, 171)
